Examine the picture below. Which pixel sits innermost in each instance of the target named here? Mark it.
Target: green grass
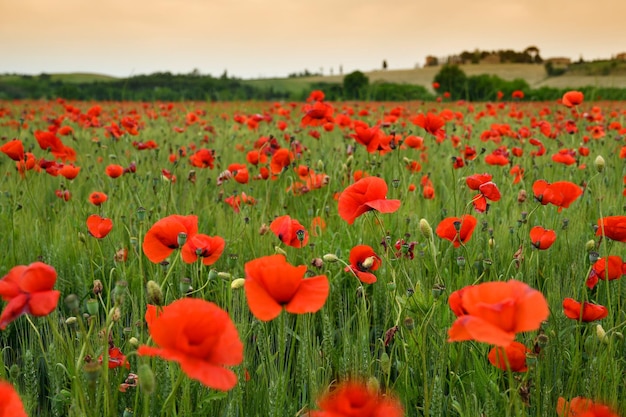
(291, 360)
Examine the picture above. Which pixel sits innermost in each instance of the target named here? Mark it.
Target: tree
(453, 80)
(355, 84)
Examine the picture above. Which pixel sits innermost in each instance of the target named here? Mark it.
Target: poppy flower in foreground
(290, 231)
(583, 311)
(97, 198)
(163, 237)
(362, 260)
(583, 407)
(542, 238)
(28, 290)
(14, 149)
(198, 335)
(355, 398)
(10, 402)
(114, 170)
(272, 283)
(513, 356)
(613, 227)
(559, 193)
(99, 227)
(369, 193)
(608, 268)
(457, 229)
(572, 98)
(209, 248)
(497, 311)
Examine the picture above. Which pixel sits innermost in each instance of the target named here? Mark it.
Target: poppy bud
(349, 160)
(601, 333)
(590, 245)
(373, 384)
(212, 274)
(146, 379)
(426, 230)
(134, 342)
(320, 165)
(237, 283)
(81, 237)
(391, 286)
(263, 229)
(409, 323)
(92, 306)
(279, 251)
(14, 371)
(599, 163)
(330, 257)
(521, 196)
(317, 263)
(154, 293)
(71, 302)
(71, 321)
(223, 275)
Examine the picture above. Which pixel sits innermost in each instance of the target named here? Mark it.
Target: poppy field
(317, 259)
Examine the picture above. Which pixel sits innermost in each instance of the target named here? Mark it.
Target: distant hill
(534, 74)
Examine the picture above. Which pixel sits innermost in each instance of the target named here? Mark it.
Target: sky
(274, 38)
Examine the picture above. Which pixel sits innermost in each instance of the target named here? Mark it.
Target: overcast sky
(266, 38)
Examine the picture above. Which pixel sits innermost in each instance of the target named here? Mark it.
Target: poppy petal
(310, 297)
(261, 303)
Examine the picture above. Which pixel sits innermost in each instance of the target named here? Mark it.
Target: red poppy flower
(117, 358)
(572, 98)
(163, 237)
(198, 335)
(10, 402)
(457, 230)
(317, 114)
(583, 407)
(455, 301)
(363, 259)
(487, 191)
(63, 194)
(369, 193)
(69, 171)
(280, 160)
(542, 238)
(560, 193)
(290, 231)
(517, 94)
(496, 311)
(272, 283)
(203, 158)
(565, 157)
(431, 123)
(209, 248)
(373, 138)
(499, 156)
(583, 311)
(48, 141)
(99, 227)
(511, 357)
(28, 290)
(97, 198)
(114, 171)
(613, 227)
(616, 268)
(13, 149)
(357, 399)
(474, 181)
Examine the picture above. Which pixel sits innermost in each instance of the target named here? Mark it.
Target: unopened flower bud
(71, 321)
(601, 333)
(97, 287)
(154, 293)
(278, 250)
(134, 342)
(330, 257)
(373, 384)
(521, 196)
(426, 230)
(224, 275)
(146, 378)
(72, 302)
(237, 283)
(317, 263)
(590, 245)
(212, 274)
(115, 314)
(491, 242)
(599, 163)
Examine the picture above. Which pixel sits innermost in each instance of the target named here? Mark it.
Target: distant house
(621, 57)
(431, 61)
(558, 61)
